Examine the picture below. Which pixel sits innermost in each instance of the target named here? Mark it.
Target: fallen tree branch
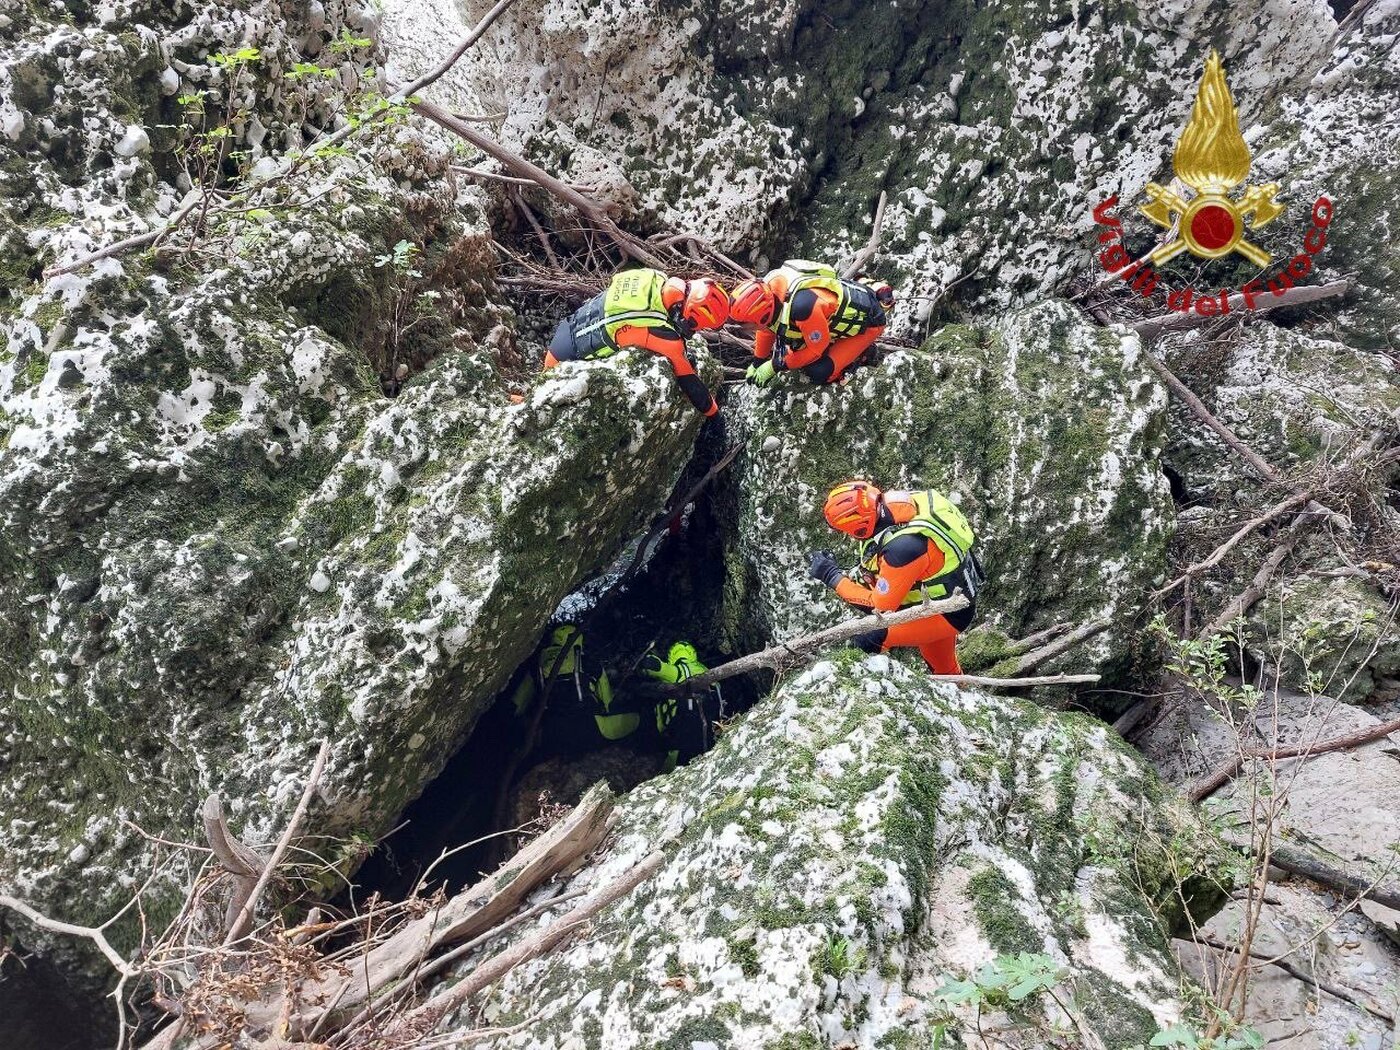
(1209, 783)
(1151, 327)
(471, 914)
(867, 252)
(586, 206)
(1337, 991)
(91, 933)
(233, 856)
(1014, 683)
(242, 923)
(426, 1017)
(451, 60)
(1244, 601)
(511, 180)
(1059, 646)
(1276, 511)
(1307, 865)
(785, 652)
(1256, 462)
(123, 246)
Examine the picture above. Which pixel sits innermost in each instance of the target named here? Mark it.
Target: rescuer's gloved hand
(760, 375)
(823, 567)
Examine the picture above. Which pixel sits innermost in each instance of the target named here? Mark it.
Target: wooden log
(426, 1017)
(868, 250)
(1297, 296)
(800, 648)
(1206, 785)
(465, 916)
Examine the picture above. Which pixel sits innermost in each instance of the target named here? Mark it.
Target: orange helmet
(853, 507)
(754, 303)
(706, 303)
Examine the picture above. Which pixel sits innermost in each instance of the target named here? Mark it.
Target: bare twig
(595, 212)
(671, 512)
(128, 244)
(91, 933)
(1276, 511)
(867, 252)
(243, 921)
(461, 49)
(1015, 683)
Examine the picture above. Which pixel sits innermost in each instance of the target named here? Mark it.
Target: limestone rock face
(852, 843)
(220, 542)
(1046, 430)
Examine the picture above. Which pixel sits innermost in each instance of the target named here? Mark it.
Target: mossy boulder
(855, 841)
(220, 542)
(1045, 429)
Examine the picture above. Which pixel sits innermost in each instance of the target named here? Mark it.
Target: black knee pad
(870, 641)
(562, 345)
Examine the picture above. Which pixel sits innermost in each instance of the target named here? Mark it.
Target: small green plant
(840, 957)
(1230, 1037)
(401, 259)
(1007, 980)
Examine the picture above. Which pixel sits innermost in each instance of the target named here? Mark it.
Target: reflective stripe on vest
(856, 306)
(937, 519)
(633, 298)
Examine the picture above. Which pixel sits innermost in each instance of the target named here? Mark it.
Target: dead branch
(867, 252)
(1024, 645)
(470, 914)
(1208, 784)
(426, 1017)
(1152, 327)
(243, 921)
(1256, 462)
(91, 933)
(1244, 601)
(237, 859)
(797, 650)
(1060, 645)
(1306, 865)
(1337, 991)
(461, 49)
(543, 237)
(126, 245)
(510, 180)
(586, 206)
(1276, 511)
(1014, 683)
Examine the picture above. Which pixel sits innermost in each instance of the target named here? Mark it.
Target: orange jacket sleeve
(666, 343)
(763, 342)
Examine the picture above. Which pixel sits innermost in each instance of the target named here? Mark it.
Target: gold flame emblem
(1212, 158)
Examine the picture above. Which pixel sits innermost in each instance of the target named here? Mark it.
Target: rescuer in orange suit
(646, 309)
(913, 545)
(809, 319)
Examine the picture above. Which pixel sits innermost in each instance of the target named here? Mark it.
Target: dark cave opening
(492, 784)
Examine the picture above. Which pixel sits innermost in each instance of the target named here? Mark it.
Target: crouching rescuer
(810, 319)
(913, 545)
(645, 309)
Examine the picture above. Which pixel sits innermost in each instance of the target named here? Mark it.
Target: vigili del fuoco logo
(1211, 160)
